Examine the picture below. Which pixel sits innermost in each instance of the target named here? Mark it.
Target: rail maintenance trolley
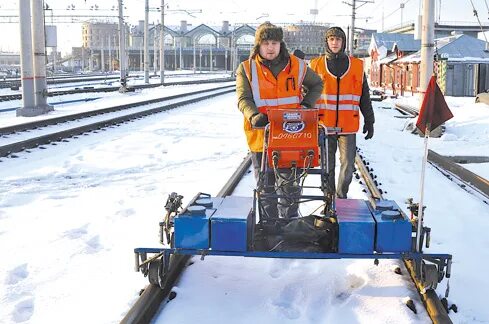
(341, 229)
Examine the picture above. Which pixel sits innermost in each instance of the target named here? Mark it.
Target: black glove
(369, 129)
(259, 120)
(300, 54)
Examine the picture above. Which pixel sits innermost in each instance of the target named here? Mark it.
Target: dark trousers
(273, 207)
(347, 145)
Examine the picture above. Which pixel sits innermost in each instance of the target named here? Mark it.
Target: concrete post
(26, 72)
(226, 60)
(427, 44)
(155, 52)
(141, 62)
(90, 60)
(54, 49)
(83, 59)
(181, 56)
(352, 30)
(210, 58)
(122, 49)
(162, 43)
(195, 61)
(39, 61)
(175, 50)
(110, 53)
(102, 58)
(146, 39)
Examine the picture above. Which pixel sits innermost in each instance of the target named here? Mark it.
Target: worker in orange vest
(273, 79)
(345, 94)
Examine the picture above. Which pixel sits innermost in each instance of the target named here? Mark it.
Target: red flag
(434, 110)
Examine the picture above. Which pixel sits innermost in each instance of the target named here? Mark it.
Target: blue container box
(231, 224)
(192, 228)
(393, 230)
(356, 227)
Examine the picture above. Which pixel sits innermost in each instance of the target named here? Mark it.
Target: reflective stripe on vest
(341, 97)
(255, 88)
(340, 109)
(271, 92)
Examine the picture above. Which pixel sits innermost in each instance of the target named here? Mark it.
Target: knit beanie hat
(336, 32)
(268, 31)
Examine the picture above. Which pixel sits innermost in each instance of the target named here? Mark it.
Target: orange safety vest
(272, 93)
(339, 103)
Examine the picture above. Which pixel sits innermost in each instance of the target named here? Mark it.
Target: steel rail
(90, 89)
(469, 178)
(56, 120)
(7, 150)
(75, 79)
(62, 79)
(153, 297)
(430, 299)
(407, 109)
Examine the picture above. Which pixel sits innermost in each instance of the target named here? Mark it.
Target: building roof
(455, 49)
(407, 45)
(388, 59)
(404, 42)
(462, 47)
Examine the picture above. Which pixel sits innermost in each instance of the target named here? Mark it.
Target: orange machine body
(293, 138)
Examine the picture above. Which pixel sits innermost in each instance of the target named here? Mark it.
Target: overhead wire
(390, 14)
(478, 19)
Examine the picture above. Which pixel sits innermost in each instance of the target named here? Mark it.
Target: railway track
(91, 89)
(76, 78)
(154, 298)
(137, 110)
(61, 79)
(467, 180)
(407, 110)
(430, 299)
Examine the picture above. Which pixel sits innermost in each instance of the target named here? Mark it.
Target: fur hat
(268, 31)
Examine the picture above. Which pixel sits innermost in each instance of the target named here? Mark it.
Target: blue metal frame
(296, 255)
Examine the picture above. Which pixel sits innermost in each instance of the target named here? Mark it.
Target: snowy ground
(71, 215)
(109, 99)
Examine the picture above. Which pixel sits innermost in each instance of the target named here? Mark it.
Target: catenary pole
(122, 50)
(102, 57)
(162, 43)
(27, 75)
(352, 29)
(155, 50)
(427, 52)
(146, 41)
(39, 58)
(427, 44)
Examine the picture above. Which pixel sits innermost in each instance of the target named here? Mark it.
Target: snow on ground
(71, 215)
(59, 101)
(108, 100)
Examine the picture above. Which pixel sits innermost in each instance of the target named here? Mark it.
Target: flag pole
(423, 171)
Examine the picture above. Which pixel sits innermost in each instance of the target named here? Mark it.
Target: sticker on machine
(293, 127)
(292, 116)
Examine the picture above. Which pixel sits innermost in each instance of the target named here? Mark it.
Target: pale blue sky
(214, 12)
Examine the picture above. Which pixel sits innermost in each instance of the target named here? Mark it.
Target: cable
(477, 16)
(393, 12)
